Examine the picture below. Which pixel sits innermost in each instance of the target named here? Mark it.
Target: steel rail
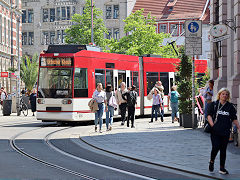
(20, 151)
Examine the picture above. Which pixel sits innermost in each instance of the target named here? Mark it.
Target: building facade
(225, 55)
(171, 15)
(44, 21)
(10, 39)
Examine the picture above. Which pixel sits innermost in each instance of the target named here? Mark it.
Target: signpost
(193, 46)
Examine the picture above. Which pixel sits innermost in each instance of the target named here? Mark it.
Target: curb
(156, 164)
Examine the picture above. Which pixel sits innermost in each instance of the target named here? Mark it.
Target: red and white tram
(68, 75)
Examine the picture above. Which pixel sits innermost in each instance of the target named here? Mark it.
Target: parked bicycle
(23, 107)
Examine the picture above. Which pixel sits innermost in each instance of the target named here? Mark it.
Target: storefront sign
(218, 30)
(4, 74)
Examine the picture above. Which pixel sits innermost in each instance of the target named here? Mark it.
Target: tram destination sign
(49, 61)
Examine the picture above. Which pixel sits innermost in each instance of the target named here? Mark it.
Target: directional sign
(193, 28)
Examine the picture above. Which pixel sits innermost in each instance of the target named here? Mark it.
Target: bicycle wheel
(24, 109)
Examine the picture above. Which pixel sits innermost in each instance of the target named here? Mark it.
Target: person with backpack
(221, 114)
(173, 98)
(131, 98)
(112, 104)
(157, 104)
(3, 95)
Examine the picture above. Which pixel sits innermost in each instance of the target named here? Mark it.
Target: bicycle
(23, 107)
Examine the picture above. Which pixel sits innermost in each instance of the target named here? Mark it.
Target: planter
(180, 120)
(187, 121)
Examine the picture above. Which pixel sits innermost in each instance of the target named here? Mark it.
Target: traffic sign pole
(193, 91)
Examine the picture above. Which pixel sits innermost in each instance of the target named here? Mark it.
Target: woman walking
(157, 104)
(221, 114)
(100, 96)
(32, 101)
(173, 98)
(109, 114)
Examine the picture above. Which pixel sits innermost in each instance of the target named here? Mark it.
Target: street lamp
(92, 41)
(18, 67)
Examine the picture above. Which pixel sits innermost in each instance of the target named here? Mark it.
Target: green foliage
(205, 78)
(29, 71)
(80, 31)
(184, 83)
(12, 69)
(142, 37)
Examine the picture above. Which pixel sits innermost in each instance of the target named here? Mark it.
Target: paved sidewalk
(166, 144)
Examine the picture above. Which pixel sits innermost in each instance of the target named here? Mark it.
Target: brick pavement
(164, 143)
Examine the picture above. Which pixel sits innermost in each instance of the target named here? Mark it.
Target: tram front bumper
(57, 116)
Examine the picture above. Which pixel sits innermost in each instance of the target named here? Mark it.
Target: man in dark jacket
(131, 97)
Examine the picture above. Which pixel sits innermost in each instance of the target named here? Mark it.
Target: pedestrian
(109, 114)
(160, 88)
(173, 99)
(207, 93)
(157, 104)
(121, 102)
(100, 96)
(131, 98)
(3, 95)
(32, 101)
(221, 114)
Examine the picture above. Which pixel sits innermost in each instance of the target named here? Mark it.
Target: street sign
(218, 30)
(193, 46)
(4, 74)
(221, 38)
(193, 28)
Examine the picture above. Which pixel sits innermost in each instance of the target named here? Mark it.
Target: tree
(29, 71)
(142, 37)
(80, 31)
(184, 83)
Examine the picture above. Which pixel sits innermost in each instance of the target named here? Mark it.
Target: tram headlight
(66, 101)
(40, 101)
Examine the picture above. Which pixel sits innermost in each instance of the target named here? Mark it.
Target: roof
(181, 9)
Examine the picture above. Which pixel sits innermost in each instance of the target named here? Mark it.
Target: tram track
(52, 165)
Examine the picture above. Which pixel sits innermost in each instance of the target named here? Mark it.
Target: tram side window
(109, 77)
(152, 78)
(80, 83)
(100, 77)
(164, 77)
(135, 81)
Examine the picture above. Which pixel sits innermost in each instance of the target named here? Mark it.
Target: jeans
(156, 109)
(98, 115)
(219, 143)
(175, 112)
(131, 115)
(205, 112)
(109, 116)
(123, 109)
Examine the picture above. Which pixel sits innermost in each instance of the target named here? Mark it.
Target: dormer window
(171, 3)
(170, 9)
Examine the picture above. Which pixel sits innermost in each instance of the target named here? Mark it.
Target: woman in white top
(100, 96)
(157, 104)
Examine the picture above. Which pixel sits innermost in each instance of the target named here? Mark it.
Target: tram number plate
(61, 92)
(53, 108)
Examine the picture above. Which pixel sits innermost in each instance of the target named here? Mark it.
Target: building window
(63, 13)
(9, 33)
(182, 27)
(73, 10)
(45, 15)
(108, 12)
(5, 31)
(58, 36)
(58, 14)
(24, 16)
(163, 28)
(116, 12)
(52, 15)
(30, 15)
(1, 29)
(116, 33)
(174, 29)
(24, 38)
(45, 38)
(52, 37)
(30, 38)
(109, 34)
(63, 36)
(68, 13)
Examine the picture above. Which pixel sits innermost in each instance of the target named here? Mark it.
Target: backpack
(174, 97)
(132, 98)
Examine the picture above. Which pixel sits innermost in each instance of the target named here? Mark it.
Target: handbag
(208, 128)
(149, 96)
(113, 102)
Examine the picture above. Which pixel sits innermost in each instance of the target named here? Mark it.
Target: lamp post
(18, 66)
(92, 41)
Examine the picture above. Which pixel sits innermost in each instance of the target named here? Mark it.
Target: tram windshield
(55, 83)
